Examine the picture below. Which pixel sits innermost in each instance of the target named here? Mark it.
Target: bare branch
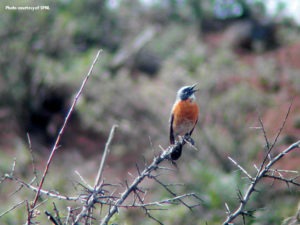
(241, 168)
(94, 195)
(12, 208)
(171, 192)
(283, 153)
(86, 184)
(42, 191)
(282, 126)
(165, 155)
(51, 218)
(166, 201)
(32, 158)
(270, 148)
(57, 213)
(261, 174)
(227, 208)
(265, 137)
(286, 180)
(263, 171)
(105, 153)
(56, 144)
(68, 215)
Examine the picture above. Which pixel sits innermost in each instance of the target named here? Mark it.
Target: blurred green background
(245, 58)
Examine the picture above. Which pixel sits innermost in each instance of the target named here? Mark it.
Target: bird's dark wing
(172, 138)
(193, 128)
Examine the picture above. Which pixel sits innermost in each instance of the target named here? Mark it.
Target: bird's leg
(181, 139)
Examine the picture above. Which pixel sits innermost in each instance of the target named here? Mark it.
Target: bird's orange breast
(185, 116)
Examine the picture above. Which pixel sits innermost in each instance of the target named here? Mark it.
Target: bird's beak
(193, 86)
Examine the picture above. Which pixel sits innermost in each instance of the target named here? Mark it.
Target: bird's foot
(188, 139)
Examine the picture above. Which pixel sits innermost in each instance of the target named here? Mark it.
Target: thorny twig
(286, 180)
(146, 173)
(52, 219)
(96, 192)
(12, 208)
(270, 148)
(32, 158)
(172, 193)
(105, 153)
(57, 213)
(42, 191)
(57, 141)
(145, 208)
(165, 201)
(261, 174)
(241, 168)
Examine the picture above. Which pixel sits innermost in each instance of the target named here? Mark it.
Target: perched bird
(184, 117)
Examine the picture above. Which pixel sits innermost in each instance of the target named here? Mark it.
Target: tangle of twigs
(98, 195)
(264, 171)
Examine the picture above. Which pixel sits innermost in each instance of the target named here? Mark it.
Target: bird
(183, 119)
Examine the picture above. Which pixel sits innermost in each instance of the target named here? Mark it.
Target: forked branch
(146, 173)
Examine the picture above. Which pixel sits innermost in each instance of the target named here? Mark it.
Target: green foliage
(168, 40)
(219, 186)
(192, 58)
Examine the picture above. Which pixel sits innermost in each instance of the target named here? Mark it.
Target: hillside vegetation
(149, 52)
